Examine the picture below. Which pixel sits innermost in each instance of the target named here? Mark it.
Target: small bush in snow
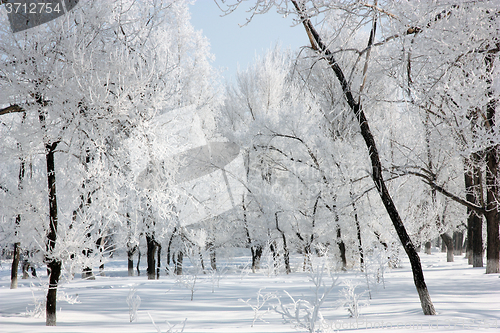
(352, 301)
(133, 301)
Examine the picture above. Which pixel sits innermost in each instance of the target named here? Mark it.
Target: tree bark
(158, 257)
(286, 254)
(492, 214)
(356, 108)
(458, 240)
(492, 209)
(473, 193)
(17, 246)
(202, 262)
(428, 247)
(151, 245)
(256, 256)
(448, 241)
(340, 241)
(358, 233)
(178, 263)
(54, 264)
(138, 261)
(169, 247)
(213, 257)
(130, 261)
(15, 264)
(341, 245)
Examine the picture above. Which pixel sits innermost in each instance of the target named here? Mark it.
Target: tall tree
(356, 106)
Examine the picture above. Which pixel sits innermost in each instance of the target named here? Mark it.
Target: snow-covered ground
(465, 298)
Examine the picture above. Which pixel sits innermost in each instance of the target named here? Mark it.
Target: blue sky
(235, 46)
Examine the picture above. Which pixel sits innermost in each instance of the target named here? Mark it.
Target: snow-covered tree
(72, 91)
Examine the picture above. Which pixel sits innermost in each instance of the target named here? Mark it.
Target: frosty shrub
(39, 301)
(352, 301)
(39, 305)
(170, 327)
(188, 282)
(261, 300)
(133, 301)
(216, 275)
(305, 314)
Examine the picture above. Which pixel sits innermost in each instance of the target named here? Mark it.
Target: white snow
(465, 298)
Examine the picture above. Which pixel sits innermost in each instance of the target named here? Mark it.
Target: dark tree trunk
(286, 254)
(476, 231)
(358, 232)
(54, 264)
(54, 268)
(213, 258)
(356, 107)
(151, 244)
(448, 241)
(428, 247)
(458, 240)
(492, 209)
(158, 257)
(473, 193)
(170, 258)
(201, 261)
(130, 260)
(492, 213)
(138, 261)
(16, 255)
(275, 255)
(340, 241)
(130, 248)
(178, 263)
(256, 256)
(341, 246)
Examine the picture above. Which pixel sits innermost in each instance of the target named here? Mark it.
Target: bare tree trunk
(158, 257)
(256, 250)
(202, 262)
(448, 241)
(358, 233)
(178, 263)
(458, 239)
(473, 193)
(341, 246)
(130, 261)
(340, 241)
(138, 261)
(428, 248)
(418, 276)
(492, 159)
(256, 256)
(213, 256)
(492, 213)
(54, 264)
(169, 247)
(151, 245)
(286, 254)
(16, 255)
